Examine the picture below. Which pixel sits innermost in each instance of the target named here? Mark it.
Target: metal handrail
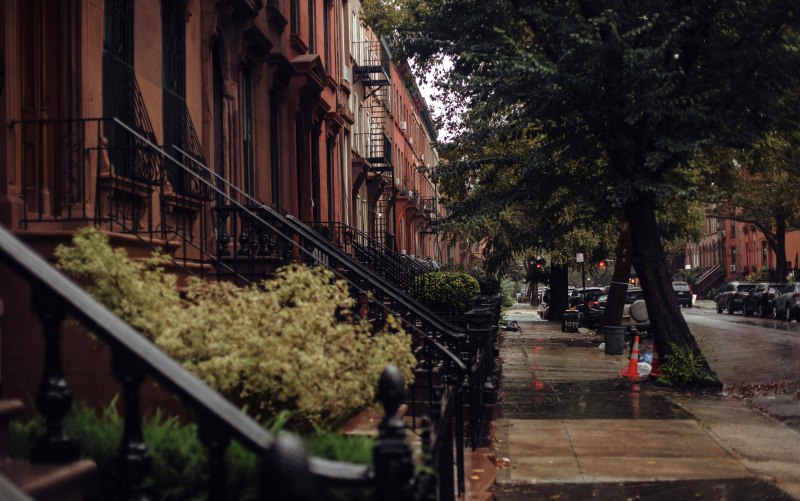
(168, 373)
(307, 233)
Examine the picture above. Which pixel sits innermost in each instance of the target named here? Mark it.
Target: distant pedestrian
(433, 264)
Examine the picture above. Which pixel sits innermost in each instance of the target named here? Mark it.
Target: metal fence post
(393, 464)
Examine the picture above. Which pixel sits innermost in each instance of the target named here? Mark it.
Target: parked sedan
(683, 293)
(761, 300)
(731, 297)
(787, 304)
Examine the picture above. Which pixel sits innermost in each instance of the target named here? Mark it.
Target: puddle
(727, 489)
(606, 399)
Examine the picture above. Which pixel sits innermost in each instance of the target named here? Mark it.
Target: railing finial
(394, 467)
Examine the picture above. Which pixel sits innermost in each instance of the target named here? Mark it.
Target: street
(758, 359)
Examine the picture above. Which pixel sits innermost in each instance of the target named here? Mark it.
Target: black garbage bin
(614, 337)
(572, 320)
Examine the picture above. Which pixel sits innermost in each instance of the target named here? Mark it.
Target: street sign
(579, 257)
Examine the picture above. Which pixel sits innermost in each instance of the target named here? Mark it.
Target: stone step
(49, 482)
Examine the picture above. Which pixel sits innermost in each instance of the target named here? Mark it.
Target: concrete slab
(569, 422)
(659, 468)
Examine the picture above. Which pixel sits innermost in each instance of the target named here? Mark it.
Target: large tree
(758, 186)
(632, 90)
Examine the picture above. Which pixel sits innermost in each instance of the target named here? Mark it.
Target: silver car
(787, 303)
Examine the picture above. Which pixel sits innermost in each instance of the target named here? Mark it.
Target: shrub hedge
(289, 343)
(448, 290)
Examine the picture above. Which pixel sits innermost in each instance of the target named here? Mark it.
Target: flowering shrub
(291, 343)
(448, 290)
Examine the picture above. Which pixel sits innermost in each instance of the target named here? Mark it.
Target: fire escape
(373, 70)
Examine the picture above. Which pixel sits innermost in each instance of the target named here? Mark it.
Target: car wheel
(719, 307)
(774, 312)
(730, 308)
(761, 311)
(789, 314)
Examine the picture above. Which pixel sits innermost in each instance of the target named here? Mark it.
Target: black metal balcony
(372, 64)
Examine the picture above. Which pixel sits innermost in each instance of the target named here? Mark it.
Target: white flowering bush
(293, 343)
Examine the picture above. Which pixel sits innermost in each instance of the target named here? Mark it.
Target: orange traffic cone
(656, 371)
(632, 371)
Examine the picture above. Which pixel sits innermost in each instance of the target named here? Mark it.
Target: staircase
(456, 378)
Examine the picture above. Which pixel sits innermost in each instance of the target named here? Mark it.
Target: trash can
(614, 337)
(572, 320)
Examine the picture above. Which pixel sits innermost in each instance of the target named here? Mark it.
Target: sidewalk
(572, 428)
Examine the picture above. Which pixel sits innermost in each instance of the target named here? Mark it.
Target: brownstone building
(145, 115)
(178, 124)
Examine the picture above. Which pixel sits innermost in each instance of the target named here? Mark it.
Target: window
(326, 35)
(733, 229)
(293, 16)
(275, 147)
(180, 136)
(312, 47)
(733, 257)
(763, 253)
(329, 174)
(173, 24)
(315, 174)
(248, 149)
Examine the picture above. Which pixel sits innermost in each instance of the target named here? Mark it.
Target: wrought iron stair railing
(59, 160)
(435, 341)
(476, 350)
(286, 473)
(403, 271)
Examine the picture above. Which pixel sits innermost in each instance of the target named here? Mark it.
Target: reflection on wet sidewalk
(608, 399)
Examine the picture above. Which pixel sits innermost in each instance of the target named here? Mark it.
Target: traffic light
(601, 264)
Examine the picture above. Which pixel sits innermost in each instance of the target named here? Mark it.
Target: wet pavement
(758, 359)
(572, 429)
(745, 489)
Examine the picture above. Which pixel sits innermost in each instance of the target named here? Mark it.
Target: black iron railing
(286, 472)
(392, 279)
(104, 172)
(236, 238)
(434, 341)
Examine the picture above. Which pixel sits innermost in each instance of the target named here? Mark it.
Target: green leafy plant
(489, 285)
(683, 367)
(448, 291)
(289, 343)
(179, 461)
(757, 276)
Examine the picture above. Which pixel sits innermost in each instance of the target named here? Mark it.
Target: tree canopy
(621, 93)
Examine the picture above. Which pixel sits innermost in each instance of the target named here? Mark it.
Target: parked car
(634, 294)
(761, 300)
(593, 308)
(731, 296)
(576, 297)
(787, 304)
(683, 293)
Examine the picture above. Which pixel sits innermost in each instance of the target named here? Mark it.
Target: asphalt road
(755, 358)
(747, 350)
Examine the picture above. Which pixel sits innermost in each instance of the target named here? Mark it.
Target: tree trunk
(666, 320)
(559, 280)
(780, 249)
(615, 304)
(533, 288)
